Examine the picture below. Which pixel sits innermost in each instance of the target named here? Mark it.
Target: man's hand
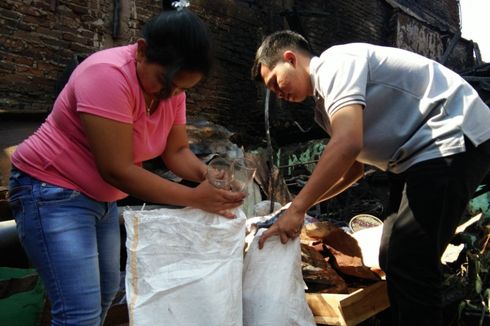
(288, 226)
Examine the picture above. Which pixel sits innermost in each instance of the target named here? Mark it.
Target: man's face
(286, 81)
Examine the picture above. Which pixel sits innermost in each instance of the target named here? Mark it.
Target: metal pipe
(270, 153)
(53, 5)
(116, 19)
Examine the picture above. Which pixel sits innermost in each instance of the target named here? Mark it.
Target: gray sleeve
(342, 80)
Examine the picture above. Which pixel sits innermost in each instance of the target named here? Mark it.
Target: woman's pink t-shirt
(105, 84)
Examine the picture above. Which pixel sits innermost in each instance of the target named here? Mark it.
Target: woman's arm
(111, 144)
(179, 158)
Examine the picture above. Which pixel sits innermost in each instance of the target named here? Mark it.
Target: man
(401, 113)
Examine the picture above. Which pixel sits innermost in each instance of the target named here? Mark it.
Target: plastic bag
(184, 267)
(273, 285)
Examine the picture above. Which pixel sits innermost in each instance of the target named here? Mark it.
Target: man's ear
(289, 56)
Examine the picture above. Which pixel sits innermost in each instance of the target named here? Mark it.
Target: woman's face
(152, 77)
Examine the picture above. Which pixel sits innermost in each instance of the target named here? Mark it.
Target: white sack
(369, 241)
(273, 285)
(184, 267)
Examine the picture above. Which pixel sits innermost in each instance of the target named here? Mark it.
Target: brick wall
(228, 96)
(344, 22)
(38, 40)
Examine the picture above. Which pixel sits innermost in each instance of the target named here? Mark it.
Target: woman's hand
(217, 201)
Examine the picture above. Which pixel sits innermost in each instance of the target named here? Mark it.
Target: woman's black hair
(178, 40)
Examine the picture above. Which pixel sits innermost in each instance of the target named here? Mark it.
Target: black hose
(270, 153)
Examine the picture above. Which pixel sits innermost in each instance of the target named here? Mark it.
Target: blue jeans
(74, 243)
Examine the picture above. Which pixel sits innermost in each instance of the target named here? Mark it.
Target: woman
(120, 107)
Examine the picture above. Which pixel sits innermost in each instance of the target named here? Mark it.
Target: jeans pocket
(16, 192)
(51, 194)
(15, 173)
(18, 197)
(19, 213)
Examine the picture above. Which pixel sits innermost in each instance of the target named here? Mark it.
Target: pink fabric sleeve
(180, 112)
(103, 90)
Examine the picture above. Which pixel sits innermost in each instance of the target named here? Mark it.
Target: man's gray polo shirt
(415, 109)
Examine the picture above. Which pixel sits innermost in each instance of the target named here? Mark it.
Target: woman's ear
(140, 52)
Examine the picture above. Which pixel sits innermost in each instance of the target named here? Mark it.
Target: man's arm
(338, 157)
(355, 173)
